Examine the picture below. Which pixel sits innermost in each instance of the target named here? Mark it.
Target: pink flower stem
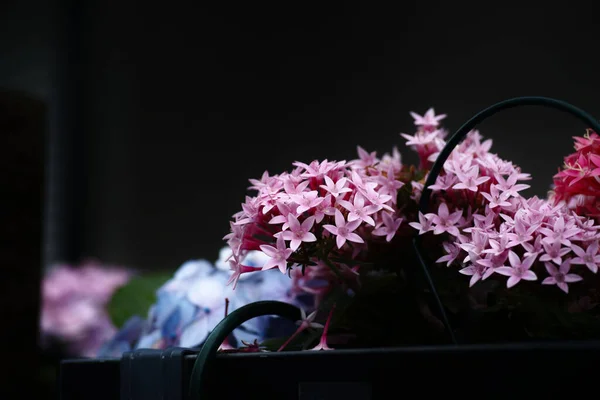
(225, 345)
(323, 340)
(300, 329)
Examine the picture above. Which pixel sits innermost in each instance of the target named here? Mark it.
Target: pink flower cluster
(329, 222)
(324, 221)
(488, 228)
(578, 182)
(321, 215)
(73, 305)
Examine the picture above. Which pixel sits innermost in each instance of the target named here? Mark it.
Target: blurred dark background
(154, 117)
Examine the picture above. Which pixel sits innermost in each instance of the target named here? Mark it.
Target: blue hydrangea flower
(194, 301)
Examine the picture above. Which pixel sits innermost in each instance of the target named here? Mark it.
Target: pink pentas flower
(389, 185)
(292, 186)
(366, 159)
(553, 251)
(306, 200)
(344, 230)
(444, 221)
(388, 227)
(475, 244)
(331, 214)
(238, 270)
(452, 251)
(336, 188)
(325, 222)
(470, 179)
(509, 186)
(560, 276)
(588, 257)
(426, 143)
(518, 270)
(306, 322)
(429, 119)
(496, 197)
(560, 231)
(278, 255)
(444, 182)
(496, 230)
(297, 232)
(358, 210)
(477, 271)
(425, 223)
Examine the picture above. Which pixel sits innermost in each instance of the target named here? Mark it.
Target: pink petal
(578, 250)
(293, 222)
(529, 276)
(353, 237)
(309, 237)
(308, 223)
(506, 271)
(295, 243)
(563, 286)
(443, 211)
(573, 278)
(468, 270)
(339, 218)
(359, 201)
(271, 263)
(551, 269)
(474, 279)
(488, 272)
(528, 262)
(549, 281)
(352, 225)
(371, 209)
(513, 258)
(512, 281)
(268, 250)
(565, 267)
(331, 228)
(593, 248)
(369, 220)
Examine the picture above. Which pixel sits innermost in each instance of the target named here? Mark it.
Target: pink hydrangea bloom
(73, 309)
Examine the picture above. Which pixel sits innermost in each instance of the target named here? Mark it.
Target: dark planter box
(472, 371)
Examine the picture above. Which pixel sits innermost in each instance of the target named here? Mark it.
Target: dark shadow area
(128, 132)
(23, 126)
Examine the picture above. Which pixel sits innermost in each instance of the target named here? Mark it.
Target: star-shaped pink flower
(560, 276)
(518, 269)
(344, 230)
(297, 232)
(278, 255)
(588, 257)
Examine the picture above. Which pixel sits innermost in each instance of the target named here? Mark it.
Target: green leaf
(300, 342)
(136, 297)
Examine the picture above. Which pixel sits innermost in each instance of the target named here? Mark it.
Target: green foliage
(136, 297)
(302, 341)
